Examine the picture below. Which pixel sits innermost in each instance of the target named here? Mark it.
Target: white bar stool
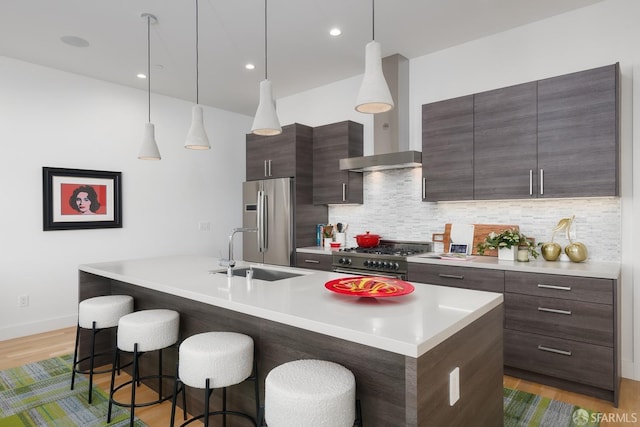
(212, 360)
(97, 314)
(311, 393)
(140, 332)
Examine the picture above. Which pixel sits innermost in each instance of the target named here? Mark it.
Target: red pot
(367, 240)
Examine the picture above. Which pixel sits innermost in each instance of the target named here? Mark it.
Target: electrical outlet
(23, 301)
(454, 386)
(204, 226)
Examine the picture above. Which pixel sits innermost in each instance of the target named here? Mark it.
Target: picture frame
(459, 248)
(75, 199)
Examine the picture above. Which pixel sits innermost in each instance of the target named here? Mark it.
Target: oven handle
(368, 273)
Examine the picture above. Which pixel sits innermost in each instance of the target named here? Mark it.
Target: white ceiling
(302, 55)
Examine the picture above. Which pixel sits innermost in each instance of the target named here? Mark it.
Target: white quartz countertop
(315, 250)
(410, 324)
(602, 270)
(597, 269)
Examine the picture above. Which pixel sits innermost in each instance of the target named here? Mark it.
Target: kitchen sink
(264, 274)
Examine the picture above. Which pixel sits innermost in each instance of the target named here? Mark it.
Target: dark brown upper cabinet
(578, 149)
(330, 144)
(505, 143)
(447, 150)
(557, 137)
(280, 156)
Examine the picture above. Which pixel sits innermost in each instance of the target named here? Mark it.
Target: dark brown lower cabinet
(563, 331)
(559, 330)
(313, 261)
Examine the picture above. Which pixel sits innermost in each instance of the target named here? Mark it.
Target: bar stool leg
(358, 413)
(113, 380)
(159, 374)
(224, 406)
(75, 357)
(207, 396)
(93, 355)
(137, 379)
(256, 388)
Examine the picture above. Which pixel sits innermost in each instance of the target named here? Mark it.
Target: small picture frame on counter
(459, 248)
(81, 199)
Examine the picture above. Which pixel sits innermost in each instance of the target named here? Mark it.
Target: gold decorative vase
(576, 251)
(551, 251)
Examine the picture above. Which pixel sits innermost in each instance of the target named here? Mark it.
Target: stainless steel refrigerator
(269, 205)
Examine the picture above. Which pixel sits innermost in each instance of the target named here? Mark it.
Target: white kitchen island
(400, 349)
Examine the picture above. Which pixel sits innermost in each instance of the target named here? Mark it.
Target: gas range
(389, 258)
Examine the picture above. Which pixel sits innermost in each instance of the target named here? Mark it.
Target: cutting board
(480, 232)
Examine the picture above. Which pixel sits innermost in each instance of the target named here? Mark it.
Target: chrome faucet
(229, 263)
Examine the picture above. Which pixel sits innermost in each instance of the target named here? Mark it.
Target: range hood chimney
(391, 129)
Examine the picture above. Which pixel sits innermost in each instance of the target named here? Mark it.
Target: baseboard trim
(45, 325)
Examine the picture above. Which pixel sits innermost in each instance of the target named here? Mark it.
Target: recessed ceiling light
(74, 41)
(250, 66)
(141, 76)
(335, 32)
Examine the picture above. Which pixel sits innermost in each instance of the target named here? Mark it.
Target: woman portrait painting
(82, 199)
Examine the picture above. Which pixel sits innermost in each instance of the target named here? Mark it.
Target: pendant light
(374, 96)
(149, 149)
(197, 137)
(266, 120)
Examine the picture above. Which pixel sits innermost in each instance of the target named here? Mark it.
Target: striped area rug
(522, 409)
(38, 394)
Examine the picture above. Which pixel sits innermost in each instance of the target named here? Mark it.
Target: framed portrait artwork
(80, 199)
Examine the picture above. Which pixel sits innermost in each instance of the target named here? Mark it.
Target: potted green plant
(507, 243)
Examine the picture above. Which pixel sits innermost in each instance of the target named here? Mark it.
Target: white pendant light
(197, 137)
(266, 120)
(374, 95)
(149, 149)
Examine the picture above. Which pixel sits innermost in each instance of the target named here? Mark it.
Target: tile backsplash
(392, 208)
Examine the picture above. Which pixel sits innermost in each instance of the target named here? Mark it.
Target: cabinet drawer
(313, 261)
(574, 320)
(570, 360)
(459, 277)
(556, 286)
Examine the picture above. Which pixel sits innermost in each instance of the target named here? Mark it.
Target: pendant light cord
(373, 19)
(265, 39)
(149, 65)
(197, 59)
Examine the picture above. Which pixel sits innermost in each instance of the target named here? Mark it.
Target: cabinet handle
(557, 288)
(554, 350)
(531, 182)
(541, 181)
(451, 276)
(269, 168)
(312, 261)
(424, 187)
(344, 192)
(265, 168)
(554, 310)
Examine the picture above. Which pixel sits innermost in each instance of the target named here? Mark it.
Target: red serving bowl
(367, 240)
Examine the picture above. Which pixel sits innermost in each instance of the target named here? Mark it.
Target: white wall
(598, 35)
(56, 119)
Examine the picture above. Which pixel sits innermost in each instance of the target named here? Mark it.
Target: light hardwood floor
(19, 351)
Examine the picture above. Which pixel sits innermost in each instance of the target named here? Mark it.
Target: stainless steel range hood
(391, 129)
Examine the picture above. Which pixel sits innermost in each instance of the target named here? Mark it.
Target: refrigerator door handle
(262, 221)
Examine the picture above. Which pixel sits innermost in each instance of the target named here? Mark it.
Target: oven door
(401, 276)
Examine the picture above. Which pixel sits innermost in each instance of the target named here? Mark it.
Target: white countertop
(597, 269)
(602, 270)
(410, 324)
(316, 250)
